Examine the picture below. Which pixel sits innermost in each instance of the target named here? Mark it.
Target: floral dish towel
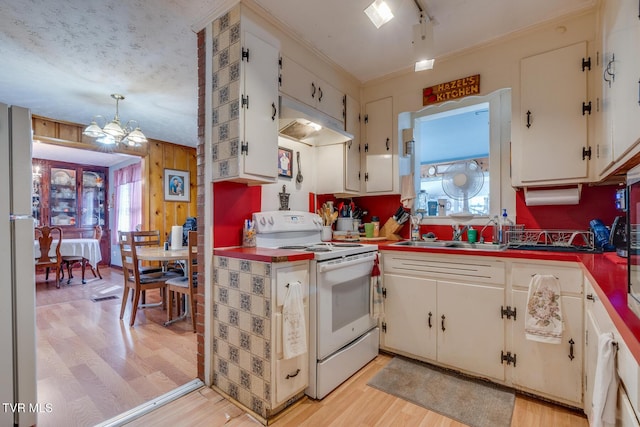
(543, 319)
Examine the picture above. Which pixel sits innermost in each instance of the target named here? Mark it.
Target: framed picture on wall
(285, 162)
(176, 185)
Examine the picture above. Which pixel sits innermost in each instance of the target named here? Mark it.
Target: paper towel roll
(560, 196)
(176, 237)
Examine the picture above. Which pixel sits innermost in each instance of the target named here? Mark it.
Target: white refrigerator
(17, 285)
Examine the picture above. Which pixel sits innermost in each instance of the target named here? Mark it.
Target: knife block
(390, 229)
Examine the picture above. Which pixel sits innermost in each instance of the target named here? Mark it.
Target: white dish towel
(294, 329)
(605, 386)
(543, 320)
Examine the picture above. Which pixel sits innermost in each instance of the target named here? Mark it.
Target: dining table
(159, 253)
(88, 249)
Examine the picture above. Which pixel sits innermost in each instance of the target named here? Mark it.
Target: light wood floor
(352, 404)
(90, 365)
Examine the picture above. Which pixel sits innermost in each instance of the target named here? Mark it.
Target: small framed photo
(176, 185)
(285, 162)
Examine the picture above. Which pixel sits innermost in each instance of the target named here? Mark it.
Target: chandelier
(113, 133)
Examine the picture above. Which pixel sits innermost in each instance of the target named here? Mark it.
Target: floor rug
(473, 402)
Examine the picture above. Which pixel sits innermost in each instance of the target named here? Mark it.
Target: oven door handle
(334, 266)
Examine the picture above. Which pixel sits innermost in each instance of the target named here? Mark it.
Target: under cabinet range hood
(308, 125)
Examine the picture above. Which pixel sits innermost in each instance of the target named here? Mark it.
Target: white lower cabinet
(442, 312)
(597, 321)
(467, 313)
(291, 375)
(551, 370)
(554, 370)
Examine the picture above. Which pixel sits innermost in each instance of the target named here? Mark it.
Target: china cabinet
(73, 197)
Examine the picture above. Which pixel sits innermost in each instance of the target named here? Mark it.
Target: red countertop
(263, 254)
(607, 272)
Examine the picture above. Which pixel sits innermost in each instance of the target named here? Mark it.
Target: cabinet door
(329, 100)
(591, 354)
(352, 148)
(63, 193)
(93, 210)
(260, 122)
(410, 315)
(554, 130)
(470, 329)
(297, 82)
(378, 146)
(548, 368)
(625, 90)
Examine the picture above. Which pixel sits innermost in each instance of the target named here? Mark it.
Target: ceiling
(63, 59)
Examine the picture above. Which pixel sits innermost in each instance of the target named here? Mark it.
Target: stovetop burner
(293, 247)
(318, 249)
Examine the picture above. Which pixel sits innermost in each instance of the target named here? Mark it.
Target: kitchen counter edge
(263, 254)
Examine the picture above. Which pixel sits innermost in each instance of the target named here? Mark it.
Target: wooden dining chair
(45, 236)
(186, 284)
(133, 278)
(148, 238)
(70, 260)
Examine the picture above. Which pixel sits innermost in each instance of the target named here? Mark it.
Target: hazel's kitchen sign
(451, 90)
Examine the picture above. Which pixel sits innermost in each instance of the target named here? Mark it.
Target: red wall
(233, 203)
(236, 202)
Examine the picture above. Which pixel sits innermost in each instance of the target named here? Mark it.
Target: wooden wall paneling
(69, 132)
(44, 127)
(156, 191)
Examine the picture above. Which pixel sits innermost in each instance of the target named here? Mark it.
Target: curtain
(128, 199)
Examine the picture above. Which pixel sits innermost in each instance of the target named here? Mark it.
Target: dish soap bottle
(505, 225)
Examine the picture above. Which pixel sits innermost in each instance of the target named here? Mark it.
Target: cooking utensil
(299, 174)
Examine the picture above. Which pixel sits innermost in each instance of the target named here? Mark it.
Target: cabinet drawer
(298, 272)
(292, 375)
(455, 268)
(570, 278)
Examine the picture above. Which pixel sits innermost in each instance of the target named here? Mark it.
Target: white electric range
(343, 337)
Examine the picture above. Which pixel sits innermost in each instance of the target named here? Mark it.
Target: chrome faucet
(493, 221)
(457, 232)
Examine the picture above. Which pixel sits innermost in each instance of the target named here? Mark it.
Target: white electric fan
(462, 181)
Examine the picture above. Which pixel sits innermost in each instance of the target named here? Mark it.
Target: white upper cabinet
(259, 112)
(554, 147)
(352, 148)
(244, 100)
(303, 85)
(378, 147)
(620, 104)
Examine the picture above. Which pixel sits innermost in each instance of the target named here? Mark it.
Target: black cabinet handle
(313, 90)
(293, 375)
(387, 144)
(442, 323)
(590, 297)
(638, 92)
(275, 111)
(319, 94)
(528, 119)
(430, 325)
(571, 343)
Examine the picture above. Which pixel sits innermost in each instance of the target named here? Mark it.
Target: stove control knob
(262, 221)
(271, 220)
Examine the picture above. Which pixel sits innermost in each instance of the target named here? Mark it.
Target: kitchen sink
(451, 244)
